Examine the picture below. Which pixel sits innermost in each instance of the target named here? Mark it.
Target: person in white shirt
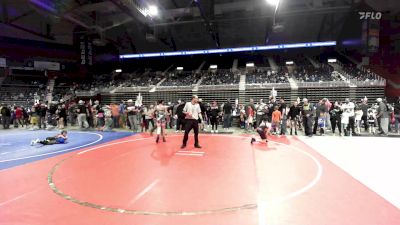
(349, 107)
(344, 120)
(193, 114)
(358, 117)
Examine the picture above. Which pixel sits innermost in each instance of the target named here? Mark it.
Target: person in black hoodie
(293, 115)
(214, 114)
(364, 107)
(6, 116)
(227, 109)
(203, 114)
(42, 111)
(307, 113)
(336, 115)
(180, 117)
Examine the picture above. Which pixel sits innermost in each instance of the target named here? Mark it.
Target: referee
(193, 114)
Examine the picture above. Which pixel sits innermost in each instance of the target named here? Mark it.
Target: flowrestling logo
(370, 15)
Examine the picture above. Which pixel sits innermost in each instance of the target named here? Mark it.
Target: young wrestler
(161, 113)
(262, 130)
(60, 138)
(276, 120)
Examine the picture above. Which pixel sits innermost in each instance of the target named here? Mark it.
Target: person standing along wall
(227, 109)
(83, 112)
(383, 117)
(132, 116)
(397, 115)
(307, 113)
(6, 116)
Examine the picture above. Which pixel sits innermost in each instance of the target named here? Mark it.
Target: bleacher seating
(260, 76)
(181, 79)
(220, 77)
(311, 74)
(354, 73)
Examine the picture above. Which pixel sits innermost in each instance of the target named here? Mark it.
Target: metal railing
(268, 85)
(323, 84)
(358, 83)
(219, 87)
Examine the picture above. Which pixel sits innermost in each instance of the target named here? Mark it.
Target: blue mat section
(15, 148)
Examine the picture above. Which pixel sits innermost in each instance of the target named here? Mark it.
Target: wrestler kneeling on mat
(60, 138)
(262, 130)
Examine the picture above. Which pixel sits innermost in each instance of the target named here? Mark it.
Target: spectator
(115, 114)
(276, 120)
(397, 115)
(83, 113)
(227, 109)
(133, 111)
(336, 114)
(307, 113)
(364, 107)
(6, 116)
(293, 115)
(383, 117)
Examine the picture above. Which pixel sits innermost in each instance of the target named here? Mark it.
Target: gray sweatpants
(385, 125)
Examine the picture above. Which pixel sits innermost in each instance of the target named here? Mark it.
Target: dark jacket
(397, 108)
(5, 111)
(179, 111)
(227, 108)
(294, 111)
(307, 110)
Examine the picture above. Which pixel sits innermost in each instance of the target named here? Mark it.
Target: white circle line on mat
(286, 197)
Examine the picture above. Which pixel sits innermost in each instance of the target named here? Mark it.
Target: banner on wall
(44, 65)
(3, 62)
(86, 50)
(373, 36)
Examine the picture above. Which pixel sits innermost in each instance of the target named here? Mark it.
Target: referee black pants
(189, 125)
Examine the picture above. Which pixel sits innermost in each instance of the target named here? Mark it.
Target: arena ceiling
(180, 24)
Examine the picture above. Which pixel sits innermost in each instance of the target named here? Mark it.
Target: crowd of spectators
(182, 79)
(22, 95)
(310, 73)
(24, 82)
(359, 74)
(260, 76)
(349, 118)
(220, 77)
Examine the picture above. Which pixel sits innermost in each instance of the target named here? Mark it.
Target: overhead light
(213, 66)
(249, 64)
(273, 2)
(179, 68)
(153, 10)
(332, 60)
(118, 70)
(289, 62)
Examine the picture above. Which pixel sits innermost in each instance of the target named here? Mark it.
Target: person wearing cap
(193, 114)
(83, 112)
(203, 114)
(42, 111)
(180, 117)
(307, 112)
(227, 110)
(364, 107)
(6, 116)
(132, 115)
(383, 117)
(349, 106)
(34, 117)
